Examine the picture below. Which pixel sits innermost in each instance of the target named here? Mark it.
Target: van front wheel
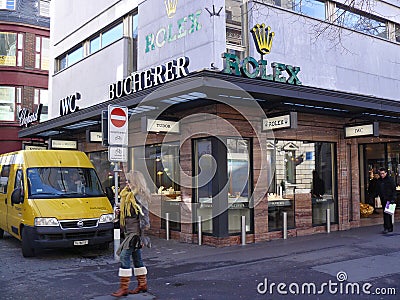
(27, 249)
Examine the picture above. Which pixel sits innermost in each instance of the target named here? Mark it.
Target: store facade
(224, 134)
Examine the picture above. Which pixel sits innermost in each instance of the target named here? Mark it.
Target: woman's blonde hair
(137, 181)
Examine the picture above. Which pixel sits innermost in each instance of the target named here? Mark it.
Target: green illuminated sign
(251, 68)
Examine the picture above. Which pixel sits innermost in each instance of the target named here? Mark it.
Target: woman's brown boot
(140, 274)
(124, 279)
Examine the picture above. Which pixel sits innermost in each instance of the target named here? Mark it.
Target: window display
(300, 168)
(238, 179)
(162, 168)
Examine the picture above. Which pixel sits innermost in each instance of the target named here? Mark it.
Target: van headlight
(106, 218)
(46, 222)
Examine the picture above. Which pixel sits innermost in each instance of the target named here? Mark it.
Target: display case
(277, 205)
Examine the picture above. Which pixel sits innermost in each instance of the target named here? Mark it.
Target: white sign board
(34, 147)
(279, 122)
(62, 144)
(162, 126)
(118, 154)
(117, 125)
(95, 136)
(361, 130)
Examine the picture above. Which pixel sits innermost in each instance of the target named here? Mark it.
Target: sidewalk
(189, 271)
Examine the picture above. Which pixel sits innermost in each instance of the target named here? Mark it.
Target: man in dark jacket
(387, 193)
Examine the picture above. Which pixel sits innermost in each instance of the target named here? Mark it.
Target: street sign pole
(117, 231)
(117, 152)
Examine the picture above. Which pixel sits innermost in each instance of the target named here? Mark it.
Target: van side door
(15, 210)
(4, 200)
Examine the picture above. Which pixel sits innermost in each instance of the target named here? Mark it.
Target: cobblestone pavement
(187, 271)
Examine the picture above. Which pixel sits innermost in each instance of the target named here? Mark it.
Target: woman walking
(134, 220)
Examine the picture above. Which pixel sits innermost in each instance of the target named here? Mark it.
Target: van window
(63, 182)
(19, 180)
(5, 173)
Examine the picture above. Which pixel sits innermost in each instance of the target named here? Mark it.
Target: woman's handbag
(390, 208)
(378, 203)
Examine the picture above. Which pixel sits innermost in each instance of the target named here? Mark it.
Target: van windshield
(63, 183)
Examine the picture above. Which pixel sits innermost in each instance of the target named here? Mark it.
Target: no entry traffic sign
(118, 117)
(117, 125)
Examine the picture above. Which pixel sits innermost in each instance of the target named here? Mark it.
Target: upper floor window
(7, 4)
(135, 24)
(42, 97)
(11, 46)
(397, 33)
(8, 46)
(97, 42)
(42, 53)
(70, 58)
(112, 35)
(44, 8)
(106, 38)
(8, 97)
(361, 22)
(311, 8)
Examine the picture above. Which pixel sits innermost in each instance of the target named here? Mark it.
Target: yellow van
(53, 198)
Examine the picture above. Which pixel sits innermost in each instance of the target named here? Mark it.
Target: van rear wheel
(1, 233)
(27, 249)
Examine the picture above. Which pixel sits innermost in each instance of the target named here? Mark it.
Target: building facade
(24, 65)
(243, 115)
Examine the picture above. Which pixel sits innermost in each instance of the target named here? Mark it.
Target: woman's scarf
(128, 201)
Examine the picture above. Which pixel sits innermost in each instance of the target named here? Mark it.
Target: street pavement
(360, 263)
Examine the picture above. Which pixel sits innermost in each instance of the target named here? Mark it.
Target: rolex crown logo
(262, 38)
(170, 6)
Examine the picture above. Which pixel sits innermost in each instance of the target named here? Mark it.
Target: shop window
(361, 22)
(162, 163)
(304, 168)
(203, 171)
(44, 8)
(373, 157)
(7, 104)
(42, 53)
(104, 168)
(7, 4)
(238, 181)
